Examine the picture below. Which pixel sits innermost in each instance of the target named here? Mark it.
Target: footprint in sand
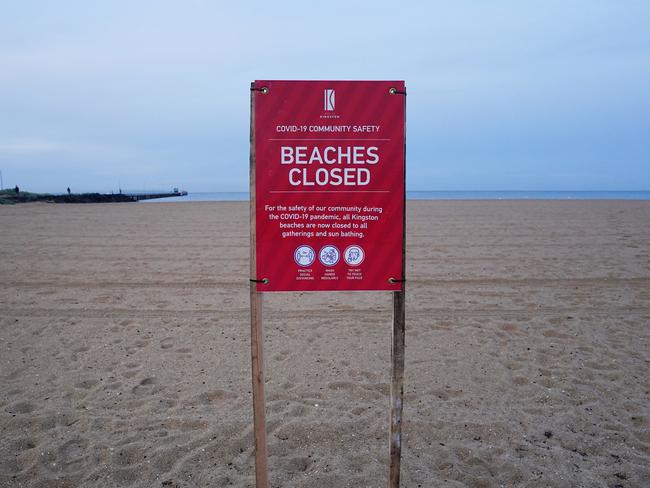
(72, 454)
(358, 410)
(510, 328)
(129, 455)
(295, 464)
(133, 370)
(144, 386)
(282, 355)
(214, 397)
(299, 411)
(20, 408)
(340, 385)
(86, 384)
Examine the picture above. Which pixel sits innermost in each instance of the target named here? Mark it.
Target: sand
(125, 357)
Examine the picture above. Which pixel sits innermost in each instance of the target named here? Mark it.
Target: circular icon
(329, 255)
(354, 255)
(304, 255)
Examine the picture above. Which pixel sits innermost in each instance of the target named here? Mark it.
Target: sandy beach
(125, 351)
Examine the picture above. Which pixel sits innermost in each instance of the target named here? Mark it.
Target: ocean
(442, 195)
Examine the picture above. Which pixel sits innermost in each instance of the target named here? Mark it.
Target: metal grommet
(392, 92)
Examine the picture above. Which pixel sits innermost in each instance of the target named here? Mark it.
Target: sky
(149, 95)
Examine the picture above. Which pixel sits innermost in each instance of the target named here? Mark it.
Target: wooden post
(396, 387)
(257, 333)
(397, 356)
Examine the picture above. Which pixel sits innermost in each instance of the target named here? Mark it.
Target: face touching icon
(354, 255)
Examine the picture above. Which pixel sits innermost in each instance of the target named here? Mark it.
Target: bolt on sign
(329, 185)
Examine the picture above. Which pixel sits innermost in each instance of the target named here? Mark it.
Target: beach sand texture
(125, 351)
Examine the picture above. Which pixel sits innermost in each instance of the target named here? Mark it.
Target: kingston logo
(329, 100)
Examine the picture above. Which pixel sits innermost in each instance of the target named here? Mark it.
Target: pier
(9, 197)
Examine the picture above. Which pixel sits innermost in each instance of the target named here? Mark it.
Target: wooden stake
(397, 355)
(257, 332)
(396, 387)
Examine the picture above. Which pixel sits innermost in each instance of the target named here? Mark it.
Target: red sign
(329, 184)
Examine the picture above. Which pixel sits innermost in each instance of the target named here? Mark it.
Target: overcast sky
(502, 95)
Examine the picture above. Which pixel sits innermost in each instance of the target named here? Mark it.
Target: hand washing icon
(329, 255)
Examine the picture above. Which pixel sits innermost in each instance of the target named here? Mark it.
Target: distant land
(13, 196)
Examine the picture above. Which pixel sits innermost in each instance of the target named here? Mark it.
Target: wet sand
(125, 356)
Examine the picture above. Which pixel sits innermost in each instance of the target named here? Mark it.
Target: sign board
(329, 185)
(327, 212)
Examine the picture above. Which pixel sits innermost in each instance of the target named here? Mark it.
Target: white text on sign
(332, 156)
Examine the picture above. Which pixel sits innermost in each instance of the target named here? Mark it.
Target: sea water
(442, 195)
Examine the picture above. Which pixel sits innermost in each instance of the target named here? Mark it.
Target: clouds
(33, 147)
(495, 90)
